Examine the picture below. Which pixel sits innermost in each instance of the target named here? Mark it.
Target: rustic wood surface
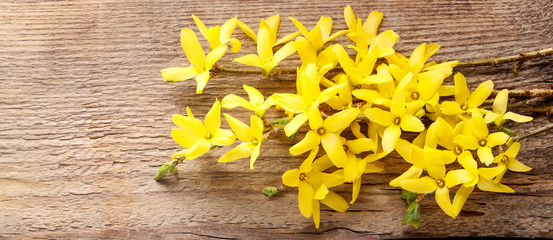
(85, 122)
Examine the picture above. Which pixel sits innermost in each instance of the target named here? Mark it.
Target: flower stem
(480, 62)
(533, 132)
(506, 59)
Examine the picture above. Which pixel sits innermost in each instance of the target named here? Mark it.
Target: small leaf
(416, 216)
(281, 121)
(270, 191)
(406, 218)
(291, 138)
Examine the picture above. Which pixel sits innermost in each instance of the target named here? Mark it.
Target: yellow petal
(214, 56)
(325, 24)
(485, 155)
(254, 154)
(367, 94)
(242, 131)
(334, 148)
(235, 45)
(398, 105)
(376, 79)
(273, 22)
(175, 74)
(350, 18)
(355, 191)
(491, 173)
(181, 153)
(467, 161)
(243, 150)
(335, 202)
(305, 198)
(198, 149)
(416, 61)
(291, 178)
(212, 119)
(247, 30)
(222, 137)
(517, 117)
(372, 22)
(374, 167)
(307, 164)
(497, 138)
(191, 125)
(456, 177)
(322, 163)
(467, 141)
(227, 28)
(367, 65)
(264, 42)
(360, 145)
(488, 185)
(287, 38)
(300, 26)
(201, 26)
(450, 108)
(411, 124)
(420, 185)
(480, 94)
(321, 192)
(446, 90)
(184, 138)
(307, 53)
(287, 50)
(436, 171)
(331, 91)
(341, 120)
(443, 200)
(500, 102)
(250, 60)
(231, 101)
(460, 198)
(293, 126)
(391, 135)
(356, 129)
(350, 168)
(411, 173)
(445, 133)
(345, 61)
(201, 81)
(256, 127)
(516, 166)
(310, 141)
(255, 96)
(314, 116)
(316, 213)
(289, 102)
(192, 48)
(462, 91)
(379, 116)
(403, 148)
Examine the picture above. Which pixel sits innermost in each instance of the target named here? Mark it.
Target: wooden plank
(85, 122)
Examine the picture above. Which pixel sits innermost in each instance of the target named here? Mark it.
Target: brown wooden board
(85, 122)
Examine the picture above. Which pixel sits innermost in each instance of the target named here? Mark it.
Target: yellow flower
(361, 72)
(326, 132)
(325, 59)
(438, 182)
(320, 34)
(201, 64)
(397, 119)
(218, 36)
(257, 102)
(273, 22)
(266, 40)
(252, 137)
(506, 160)
(476, 137)
(199, 137)
(499, 111)
(464, 100)
(309, 92)
(313, 186)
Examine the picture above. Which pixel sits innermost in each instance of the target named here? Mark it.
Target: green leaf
(406, 218)
(281, 121)
(291, 138)
(166, 168)
(416, 216)
(270, 191)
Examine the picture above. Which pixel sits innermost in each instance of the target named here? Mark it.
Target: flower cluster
(378, 95)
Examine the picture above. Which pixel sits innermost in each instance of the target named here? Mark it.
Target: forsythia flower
(201, 64)
(464, 100)
(313, 186)
(320, 34)
(500, 114)
(252, 137)
(199, 137)
(257, 102)
(218, 36)
(265, 58)
(326, 132)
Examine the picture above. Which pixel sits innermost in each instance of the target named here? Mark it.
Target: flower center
(457, 150)
(321, 131)
(465, 106)
(303, 176)
(397, 121)
(505, 158)
(254, 142)
(483, 143)
(208, 135)
(415, 95)
(440, 183)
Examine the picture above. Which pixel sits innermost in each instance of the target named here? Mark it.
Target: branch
(513, 58)
(533, 132)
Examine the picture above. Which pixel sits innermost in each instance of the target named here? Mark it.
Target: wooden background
(85, 122)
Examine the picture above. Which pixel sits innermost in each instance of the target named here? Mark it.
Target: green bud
(166, 168)
(270, 191)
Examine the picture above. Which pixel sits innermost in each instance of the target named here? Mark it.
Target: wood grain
(85, 121)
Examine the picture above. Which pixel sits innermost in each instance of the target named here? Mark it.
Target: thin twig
(533, 132)
(512, 58)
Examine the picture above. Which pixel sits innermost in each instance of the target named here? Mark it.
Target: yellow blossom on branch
(252, 137)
